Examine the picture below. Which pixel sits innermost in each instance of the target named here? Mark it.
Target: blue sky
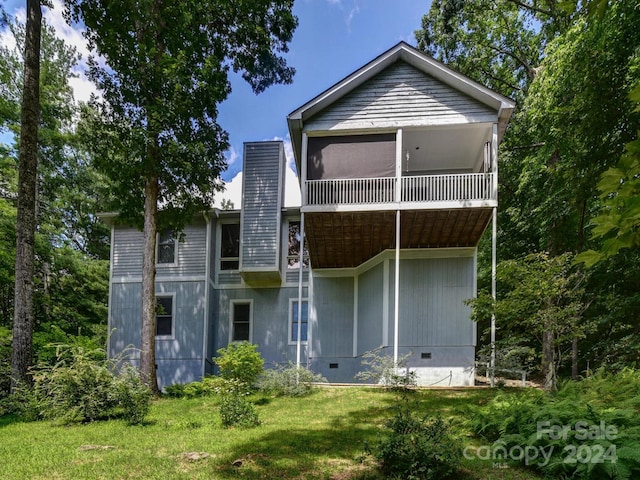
(333, 39)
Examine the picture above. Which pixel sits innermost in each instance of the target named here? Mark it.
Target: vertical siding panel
(263, 172)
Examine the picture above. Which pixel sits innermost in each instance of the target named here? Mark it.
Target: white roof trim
(402, 51)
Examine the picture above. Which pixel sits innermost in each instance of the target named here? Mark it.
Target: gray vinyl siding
(179, 358)
(333, 302)
(400, 96)
(432, 310)
(370, 303)
(262, 202)
(293, 276)
(269, 317)
(191, 252)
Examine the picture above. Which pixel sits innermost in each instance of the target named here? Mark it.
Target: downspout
(207, 273)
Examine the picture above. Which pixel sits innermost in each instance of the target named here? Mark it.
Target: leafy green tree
(618, 222)
(70, 285)
(542, 303)
(166, 70)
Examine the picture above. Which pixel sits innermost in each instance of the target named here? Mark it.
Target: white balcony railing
(448, 188)
(353, 191)
(424, 188)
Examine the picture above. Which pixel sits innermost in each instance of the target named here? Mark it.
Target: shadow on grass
(9, 419)
(337, 451)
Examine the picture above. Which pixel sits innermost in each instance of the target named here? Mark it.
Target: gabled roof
(400, 52)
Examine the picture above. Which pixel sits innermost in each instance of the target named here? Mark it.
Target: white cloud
(232, 155)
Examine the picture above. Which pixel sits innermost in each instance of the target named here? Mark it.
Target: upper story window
(164, 315)
(293, 251)
(166, 247)
(229, 246)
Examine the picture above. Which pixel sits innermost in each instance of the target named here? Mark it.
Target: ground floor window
(240, 321)
(164, 315)
(296, 316)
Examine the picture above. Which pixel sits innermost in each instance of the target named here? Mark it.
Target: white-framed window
(293, 247)
(166, 247)
(165, 315)
(294, 317)
(241, 321)
(229, 246)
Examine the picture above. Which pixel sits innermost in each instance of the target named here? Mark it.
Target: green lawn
(321, 436)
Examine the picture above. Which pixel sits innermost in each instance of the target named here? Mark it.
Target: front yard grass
(321, 436)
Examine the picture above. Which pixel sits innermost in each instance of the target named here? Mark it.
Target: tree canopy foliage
(162, 69)
(568, 162)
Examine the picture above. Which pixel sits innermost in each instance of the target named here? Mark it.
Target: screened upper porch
(440, 167)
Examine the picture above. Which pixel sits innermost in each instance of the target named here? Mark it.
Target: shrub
(5, 361)
(82, 387)
(588, 429)
(381, 369)
(288, 380)
(240, 361)
(237, 411)
(418, 448)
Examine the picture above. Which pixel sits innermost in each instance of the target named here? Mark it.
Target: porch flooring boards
(348, 239)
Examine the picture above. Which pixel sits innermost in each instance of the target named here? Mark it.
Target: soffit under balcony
(346, 240)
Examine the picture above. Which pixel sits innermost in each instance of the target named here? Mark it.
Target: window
(164, 316)
(240, 321)
(166, 247)
(293, 252)
(293, 321)
(230, 246)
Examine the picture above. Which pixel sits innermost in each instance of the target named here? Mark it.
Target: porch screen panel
(351, 156)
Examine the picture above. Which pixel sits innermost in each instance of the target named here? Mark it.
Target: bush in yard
(81, 386)
(381, 369)
(235, 408)
(288, 380)
(418, 448)
(590, 429)
(237, 411)
(240, 361)
(5, 361)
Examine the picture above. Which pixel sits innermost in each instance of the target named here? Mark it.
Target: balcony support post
(303, 168)
(300, 277)
(494, 245)
(396, 299)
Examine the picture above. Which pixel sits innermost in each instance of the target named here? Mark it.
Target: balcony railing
(425, 188)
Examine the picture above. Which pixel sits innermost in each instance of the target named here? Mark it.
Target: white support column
(494, 234)
(303, 198)
(300, 277)
(303, 169)
(396, 293)
(494, 245)
(355, 316)
(494, 160)
(396, 297)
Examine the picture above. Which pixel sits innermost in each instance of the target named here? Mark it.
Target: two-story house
(398, 172)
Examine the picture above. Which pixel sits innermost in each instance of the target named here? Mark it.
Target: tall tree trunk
(27, 180)
(548, 360)
(148, 346)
